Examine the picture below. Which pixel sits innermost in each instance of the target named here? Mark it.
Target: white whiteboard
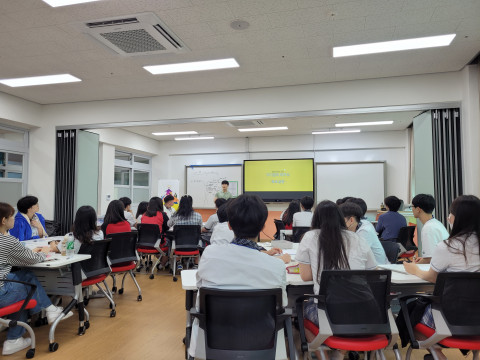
(203, 182)
(365, 180)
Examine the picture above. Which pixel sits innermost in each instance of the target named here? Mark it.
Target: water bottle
(70, 246)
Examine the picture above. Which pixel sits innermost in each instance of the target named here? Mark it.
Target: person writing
(29, 223)
(13, 253)
(433, 231)
(460, 252)
(224, 194)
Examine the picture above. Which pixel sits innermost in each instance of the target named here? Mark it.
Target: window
(132, 176)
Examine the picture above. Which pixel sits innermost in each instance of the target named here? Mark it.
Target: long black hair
(85, 224)
(141, 209)
(293, 208)
(466, 209)
(154, 205)
(331, 249)
(114, 214)
(185, 207)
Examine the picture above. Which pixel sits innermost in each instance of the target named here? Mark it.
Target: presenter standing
(224, 194)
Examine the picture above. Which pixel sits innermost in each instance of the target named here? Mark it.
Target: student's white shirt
(451, 258)
(367, 232)
(169, 212)
(235, 267)
(359, 254)
(221, 234)
(302, 218)
(433, 232)
(211, 222)
(130, 218)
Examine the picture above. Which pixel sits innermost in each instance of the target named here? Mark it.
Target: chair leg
(108, 295)
(409, 353)
(139, 298)
(397, 353)
(114, 283)
(123, 282)
(476, 354)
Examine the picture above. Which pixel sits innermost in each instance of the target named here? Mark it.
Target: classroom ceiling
(288, 42)
(296, 125)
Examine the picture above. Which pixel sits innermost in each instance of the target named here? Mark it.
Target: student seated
(460, 252)
(168, 202)
(287, 215)
(29, 223)
(141, 209)
(185, 214)
(114, 220)
(389, 224)
(12, 252)
(364, 229)
(212, 221)
(155, 214)
(433, 231)
(128, 212)
(329, 246)
(304, 218)
(222, 234)
(239, 265)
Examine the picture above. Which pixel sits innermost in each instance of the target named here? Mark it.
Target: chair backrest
(97, 264)
(240, 324)
(279, 225)
(392, 249)
(148, 235)
(298, 232)
(459, 301)
(186, 236)
(356, 301)
(405, 237)
(123, 247)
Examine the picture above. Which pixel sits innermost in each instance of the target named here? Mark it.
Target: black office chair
(353, 311)
(456, 312)
(150, 243)
(405, 238)
(279, 225)
(185, 244)
(123, 258)
(242, 324)
(96, 270)
(298, 232)
(392, 249)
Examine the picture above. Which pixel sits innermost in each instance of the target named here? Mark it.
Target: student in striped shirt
(13, 253)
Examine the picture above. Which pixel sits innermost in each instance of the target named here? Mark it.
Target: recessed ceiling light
(396, 45)
(56, 3)
(264, 129)
(389, 122)
(192, 66)
(335, 132)
(40, 80)
(175, 133)
(195, 138)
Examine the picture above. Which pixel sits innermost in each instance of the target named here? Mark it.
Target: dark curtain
(65, 179)
(447, 159)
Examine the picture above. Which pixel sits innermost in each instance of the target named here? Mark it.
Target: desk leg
(189, 301)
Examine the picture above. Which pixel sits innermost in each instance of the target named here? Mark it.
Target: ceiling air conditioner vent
(140, 34)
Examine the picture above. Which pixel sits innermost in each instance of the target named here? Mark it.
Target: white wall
(106, 176)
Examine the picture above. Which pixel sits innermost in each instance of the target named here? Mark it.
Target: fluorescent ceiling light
(389, 122)
(396, 45)
(264, 129)
(56, 3)
(192, 66)
(40, 80)
(175, 133)
(195, 138)
(335, 132)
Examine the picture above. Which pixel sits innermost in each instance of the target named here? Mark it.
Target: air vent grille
(114, 22)
(133, 41)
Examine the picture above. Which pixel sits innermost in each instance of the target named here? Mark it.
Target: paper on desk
(290, 252)
(399, 267)
(32, 244)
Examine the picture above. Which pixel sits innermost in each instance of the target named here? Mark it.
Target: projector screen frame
(286, 196)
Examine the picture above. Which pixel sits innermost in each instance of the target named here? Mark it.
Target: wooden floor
(150, 329)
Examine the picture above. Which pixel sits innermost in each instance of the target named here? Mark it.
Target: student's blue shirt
(389, 225)
(22, 229)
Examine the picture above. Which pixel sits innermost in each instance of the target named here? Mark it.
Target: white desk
(57, 280)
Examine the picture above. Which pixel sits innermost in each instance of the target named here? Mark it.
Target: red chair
(354, 313)
(456, 312)
(17, 308)
(151, 243)
(123, 259)
(185, 244)
(96, 269)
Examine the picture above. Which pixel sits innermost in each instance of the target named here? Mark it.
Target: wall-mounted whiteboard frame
(204, 181)
(364, 179)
